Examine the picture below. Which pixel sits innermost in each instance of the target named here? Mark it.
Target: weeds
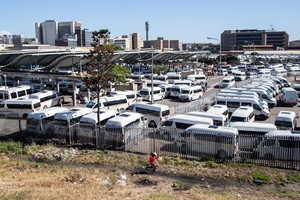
(11, 147)
(261, 176)
(161, 197)
(211, 164)
(22, 195)
(178, 185)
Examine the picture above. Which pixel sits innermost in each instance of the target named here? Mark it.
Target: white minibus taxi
(166, 89)
(218, 119)
(158, 94)
(48, 98)
(132, 96)
(250, 134)
(200, 79)
(115, 102)
(219, 110)
(209, 140)
(15, 92)
(124, 128)
(155, 113)
(19, 108)
(183, 82)
(173, 126)
(66, 123)
(228, 81)
(173, 77)
(88, 124)
(280, 145)
(42, 121)
(176, 90)
(286, 120)
(191, 93)
(243, 114)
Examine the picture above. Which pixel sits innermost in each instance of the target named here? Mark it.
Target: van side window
(289, 143)
(221, 102)
(167, 123)
(256, 107)
(182, 125)
(246, 104)
(233, 104)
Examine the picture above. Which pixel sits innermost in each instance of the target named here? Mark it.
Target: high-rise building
(50, 30)
(137, 41)
(232, 39)
(87, 37)
(161, 44)
(124, 42)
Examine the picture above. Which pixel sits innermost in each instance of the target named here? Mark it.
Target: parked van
(19, 108)
(251, 133)
(239, 76)
(88, 125)
(218, 109)
(222, 72)
(132, 96)
(163, 78)
(15, 92)
(228, 81)
(209, 140)
(183, 82)
(235, 102)
(279, 145)
(156, 83)
(286, 120)
(243, 114)
(289, 96)
(166, 89)
(297, 88)
(146, 93)
(42, 121)
(48, 98)
(173, 126)
(191, 93)
(218, 119)
(155, 113)
(245, 95)
(173, 77)
(176, 90)
(124, 128)
(200, 79)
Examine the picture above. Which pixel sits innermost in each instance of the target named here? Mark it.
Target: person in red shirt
(152, 160)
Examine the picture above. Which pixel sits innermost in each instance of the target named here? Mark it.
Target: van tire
(152, 124)
(222, 154)
(268, 156)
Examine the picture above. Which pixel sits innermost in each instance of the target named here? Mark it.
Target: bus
(218, 119)
(15, 92)
(88, 124)
(66, 123)
(19, 108)
(124, 129)
(158, 94)
(209, 140)
(48, 98)
(250, 134)
(173, 126)
(155, 113)
(42, 121)
(191, 93)
(115, 102)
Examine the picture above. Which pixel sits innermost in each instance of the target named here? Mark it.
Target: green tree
(100, 66)
(120, 74)
(158, 68)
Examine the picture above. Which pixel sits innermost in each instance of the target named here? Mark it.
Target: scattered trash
(106, 181)
(239, 196)
(122, 180)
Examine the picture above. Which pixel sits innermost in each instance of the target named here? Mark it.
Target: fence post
(20, 124)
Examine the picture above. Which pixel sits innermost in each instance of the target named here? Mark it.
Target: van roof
(206, 115)
(73, 113)
(152, 105)
(260, 127)
(123, 119)
(243, 111)
(213, 129)
(284, 133)
(41, 114)
(191, 119)
(286, 114)
(93, 117)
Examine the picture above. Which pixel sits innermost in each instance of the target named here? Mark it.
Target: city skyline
(189, 21)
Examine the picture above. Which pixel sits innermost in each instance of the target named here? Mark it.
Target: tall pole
(253, 51)
(220, 57)
(152, 75)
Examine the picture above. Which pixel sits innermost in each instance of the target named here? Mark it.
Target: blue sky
(187, 20)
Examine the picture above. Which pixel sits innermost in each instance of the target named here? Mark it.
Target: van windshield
(165, 113)
(143, 92)
(238, 119)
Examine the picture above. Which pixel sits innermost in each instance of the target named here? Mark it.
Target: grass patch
(261, 176)
(22, 195)
(161, 197)
(178, 185)
(11, 147)
(211, 164)
(293, 177)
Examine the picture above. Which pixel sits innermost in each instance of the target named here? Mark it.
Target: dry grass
(82, 177)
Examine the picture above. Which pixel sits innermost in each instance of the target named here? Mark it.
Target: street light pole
(152, 75)
(220, 62)
(253, 50)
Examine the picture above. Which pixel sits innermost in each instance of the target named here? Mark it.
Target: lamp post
(253, 50)
(152, 74)
(220, 62)
(4, 75)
